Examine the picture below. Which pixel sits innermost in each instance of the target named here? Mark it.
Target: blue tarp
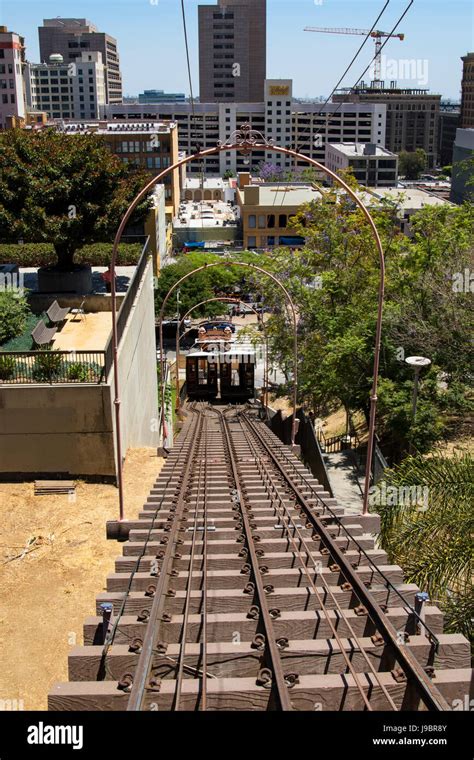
(195, 245)
(292, 240)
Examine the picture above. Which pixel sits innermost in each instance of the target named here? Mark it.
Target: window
(252, 241)
(262, 221)
(252, 221)
(282, 220)
(4, 99)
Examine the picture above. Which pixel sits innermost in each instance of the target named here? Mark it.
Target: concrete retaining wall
(137, 371)
(69, 429)
(56, 429)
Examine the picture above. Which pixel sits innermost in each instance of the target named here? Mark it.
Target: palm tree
(426, 506)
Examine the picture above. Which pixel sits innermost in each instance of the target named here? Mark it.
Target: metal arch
(223, 299)
(246, 143)
(289, 301)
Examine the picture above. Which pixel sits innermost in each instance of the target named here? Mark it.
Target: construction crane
(376, 35)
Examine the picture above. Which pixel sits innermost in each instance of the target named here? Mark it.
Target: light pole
(418, 363)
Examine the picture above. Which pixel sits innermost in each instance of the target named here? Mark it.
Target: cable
(353, 60)
(371, 62)
(183, 11)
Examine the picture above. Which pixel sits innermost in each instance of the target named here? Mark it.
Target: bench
(56, 314)
(43, 335)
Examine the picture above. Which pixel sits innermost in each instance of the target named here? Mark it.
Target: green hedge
(42, 254)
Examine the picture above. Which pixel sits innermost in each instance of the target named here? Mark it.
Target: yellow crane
(376, 35)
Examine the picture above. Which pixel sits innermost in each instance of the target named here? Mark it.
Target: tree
(334, 282)
(412, 163)
(68, 190)
(228, 174)
(216, 281)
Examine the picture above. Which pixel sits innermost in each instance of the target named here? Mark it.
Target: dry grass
(55, 559)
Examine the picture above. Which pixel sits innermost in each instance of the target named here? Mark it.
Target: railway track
(243, 586)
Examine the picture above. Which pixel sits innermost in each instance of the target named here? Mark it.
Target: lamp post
(418, 363)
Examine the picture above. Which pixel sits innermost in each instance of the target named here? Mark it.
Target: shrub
(47, 365)
(7, 367)
(79, 371)
(42, 254)
(14, 311)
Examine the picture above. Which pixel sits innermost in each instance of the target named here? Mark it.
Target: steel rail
(204, 585)
(189, 586)
(142, 671)
(278, 677)
(350, 538)
(411, 667)
(110, 638)
(282, 509)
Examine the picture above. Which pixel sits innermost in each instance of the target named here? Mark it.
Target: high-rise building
(463, 154)
(12, 56)
(449, 116)
(71, 37)
(467, 92)
(412, 117)
(232, 51)
(73, 91)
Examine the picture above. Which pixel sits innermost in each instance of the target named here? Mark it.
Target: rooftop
(408, 197)
(112, 128)
(353, 150)
(284, 195)
(205, 214)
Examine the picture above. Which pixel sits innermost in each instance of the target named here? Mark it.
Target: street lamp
(417, 362)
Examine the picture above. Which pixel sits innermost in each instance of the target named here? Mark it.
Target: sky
(151, 41)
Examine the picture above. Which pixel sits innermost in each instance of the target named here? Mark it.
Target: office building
(462, 173)
(71, 37)
(308, 127)
(232, 51)
(12, 57)
(449, 118)
(372, 165)
(412, 117)
(150, 145)
(467, 92)
(74, 91)
(159, 96)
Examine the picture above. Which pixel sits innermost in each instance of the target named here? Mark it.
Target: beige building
(412, 117)
(232, 51)
(266, 211)
(71, 37)
(371, 164)
(150, 145)
(467, 92)
(67, 91)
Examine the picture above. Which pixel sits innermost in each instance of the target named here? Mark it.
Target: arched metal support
(222, 299)
(245, 140)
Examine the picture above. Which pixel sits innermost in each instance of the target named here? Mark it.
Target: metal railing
(24, 367)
